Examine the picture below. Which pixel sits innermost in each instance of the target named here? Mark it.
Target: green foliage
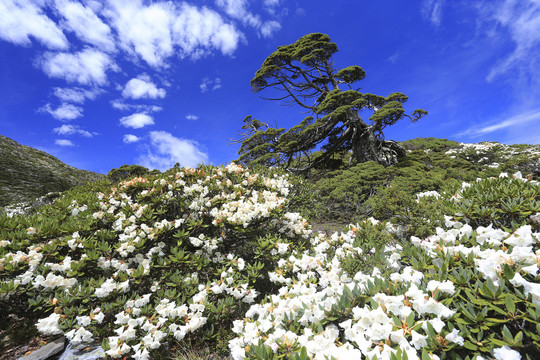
(27, 173)
(452, 272)
(478, 284)
(304, 73)
(371, 238)
(341, 194)
(179, 238)
(432, 144)
(501, 202)
(126, 171)
(399, 207)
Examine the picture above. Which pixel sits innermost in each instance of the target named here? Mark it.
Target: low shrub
(461, 293)
(150, 260)
(213, 258)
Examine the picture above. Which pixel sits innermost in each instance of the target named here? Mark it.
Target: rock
(47, 351)
(83, 352)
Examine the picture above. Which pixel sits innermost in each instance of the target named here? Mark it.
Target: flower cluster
(162, 255)
(193, 252)
(323, 313)
(315, 286)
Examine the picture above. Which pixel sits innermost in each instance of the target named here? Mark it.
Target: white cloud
(152, 32)
(87, 67)
(271, 5)
(64, 111)
(144, 30)
(166, 150)
(208, 84)
(137, 121)
(198, 31)
(22, 19)
(192, 117)
(269, 28)
(72, 129)
(75, 95)
(142, 87)
(64, 142)
(521, 18)
(119, 104)
(517, 121)
(237, 9)
(130, 138)
(432, 11)
(271, 2)
(86, 24)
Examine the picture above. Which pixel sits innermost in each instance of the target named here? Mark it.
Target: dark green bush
(126, 171)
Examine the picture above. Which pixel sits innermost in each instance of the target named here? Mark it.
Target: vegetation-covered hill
(27, 173)
(340, 193)
(441, 260)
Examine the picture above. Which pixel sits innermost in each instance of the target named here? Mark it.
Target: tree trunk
(366, 146)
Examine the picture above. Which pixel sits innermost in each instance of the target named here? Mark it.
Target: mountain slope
(27, 173)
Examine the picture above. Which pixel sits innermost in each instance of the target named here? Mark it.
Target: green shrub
(418, 218)
(460, 293)
(432, 144)
(342, 193)
(505, 203)
(150, 260)
(126, 171)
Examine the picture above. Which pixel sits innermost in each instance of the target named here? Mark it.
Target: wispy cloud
(208, 84)
(521, 19)
(119, 104)
(166, 150)
(192, 117)
(87, 67)
(130, 138)
(64, 111)
(269, 28)
(142, 88)
(238, 10)
(520, 121)
(72, 129)
(432, 11)
(63, 142)
(75, 95)
(22, 19)
(137, 121)
(104, 34)
(85, 24)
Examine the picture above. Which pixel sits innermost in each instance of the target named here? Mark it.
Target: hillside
(439, 261)
(27, 173)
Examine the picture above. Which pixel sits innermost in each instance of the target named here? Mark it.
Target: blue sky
(100, 84)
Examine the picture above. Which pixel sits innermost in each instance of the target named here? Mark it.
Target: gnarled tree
(304, 73)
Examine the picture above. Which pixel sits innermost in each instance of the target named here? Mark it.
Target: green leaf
(410, 319)
(469, 345)
(508, 271)
(498, 342)
(105, 344)
(507, 335)
(510, 304)
(518, 339)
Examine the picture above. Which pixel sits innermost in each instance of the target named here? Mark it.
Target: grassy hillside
(27, 173)
(440, 261)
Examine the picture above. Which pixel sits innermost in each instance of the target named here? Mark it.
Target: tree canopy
(304, 75)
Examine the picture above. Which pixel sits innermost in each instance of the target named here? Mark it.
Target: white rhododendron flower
(506, 353)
